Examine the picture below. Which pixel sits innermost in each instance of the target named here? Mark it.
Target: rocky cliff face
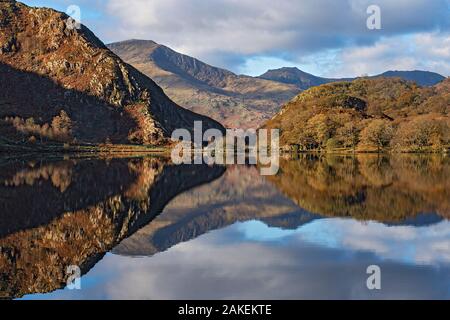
(47, 67)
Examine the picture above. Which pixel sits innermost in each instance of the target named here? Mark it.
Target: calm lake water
(142, 228)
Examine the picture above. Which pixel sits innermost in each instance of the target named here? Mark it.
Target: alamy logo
(374, 20)
(74, 20)
(74, 278)
(258, 147)
(374, 280)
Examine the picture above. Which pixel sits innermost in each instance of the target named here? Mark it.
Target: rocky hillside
(305, 80)
(234, 100)
(64, 84)
(368, 115)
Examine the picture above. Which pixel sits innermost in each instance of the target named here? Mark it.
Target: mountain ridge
(239, 101)
(304, 80)
(235, 100)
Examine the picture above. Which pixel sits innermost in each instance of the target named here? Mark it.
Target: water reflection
(241, 194)
(252, 261)
(45, 227)
(381, 188)
(226, 232)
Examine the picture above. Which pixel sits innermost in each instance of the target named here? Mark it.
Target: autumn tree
(348, 134)
(320, 128)
(62, 126)
(421, 132)
(377, 134)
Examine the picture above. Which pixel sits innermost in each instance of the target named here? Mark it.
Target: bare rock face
(83, 78)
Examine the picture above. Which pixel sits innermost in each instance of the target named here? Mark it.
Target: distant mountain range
(234, 100)
(305, 80)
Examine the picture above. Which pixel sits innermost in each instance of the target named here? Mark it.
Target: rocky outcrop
(81, 76)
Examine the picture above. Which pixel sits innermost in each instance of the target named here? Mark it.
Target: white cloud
(327, 37)
(247, 28)
(422, 51)
(417, 245)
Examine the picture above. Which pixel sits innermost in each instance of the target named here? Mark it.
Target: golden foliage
(368, 115)
(60, 128)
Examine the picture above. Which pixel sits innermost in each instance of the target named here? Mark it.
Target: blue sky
(323, 37)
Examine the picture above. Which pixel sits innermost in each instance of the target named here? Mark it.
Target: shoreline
(429, 150)
(86, 148)
(91, 149)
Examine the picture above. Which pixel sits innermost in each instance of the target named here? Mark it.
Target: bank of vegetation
(367, 115)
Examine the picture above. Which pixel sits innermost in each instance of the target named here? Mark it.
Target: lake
(143, 228)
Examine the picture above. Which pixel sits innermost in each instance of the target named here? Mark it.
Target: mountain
(422, 78)
(64, 84)
(305, 80)
(367, 115)
(234, 100)
(295, 77)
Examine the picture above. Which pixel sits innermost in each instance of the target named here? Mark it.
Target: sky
(324, 37)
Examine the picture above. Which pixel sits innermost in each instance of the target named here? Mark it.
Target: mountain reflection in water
(214, 232)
